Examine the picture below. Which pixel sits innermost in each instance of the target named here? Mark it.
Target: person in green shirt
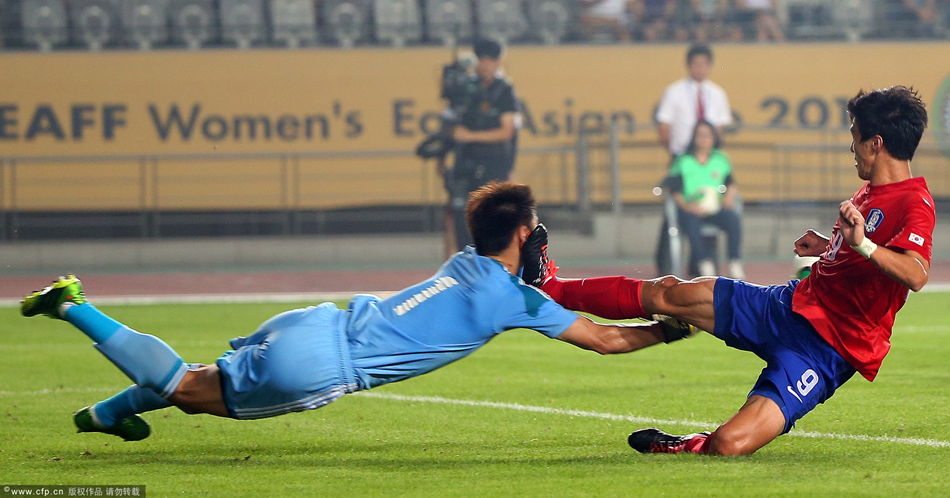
(705, 192)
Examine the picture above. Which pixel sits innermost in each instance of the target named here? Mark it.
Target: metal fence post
(616, 196)
(155, 228)
(583, 173)
(12, 228)
(143, 197)
(3, 199)
(288, 218)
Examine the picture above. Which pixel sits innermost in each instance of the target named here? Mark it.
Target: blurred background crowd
(147, 24)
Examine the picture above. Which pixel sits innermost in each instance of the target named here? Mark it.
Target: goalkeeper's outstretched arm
(611, 339)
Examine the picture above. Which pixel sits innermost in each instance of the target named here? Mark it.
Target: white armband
(865, 248)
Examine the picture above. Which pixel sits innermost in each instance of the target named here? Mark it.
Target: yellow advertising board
(236, 102)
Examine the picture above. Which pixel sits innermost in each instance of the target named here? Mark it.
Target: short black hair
(896, 114)
(495, 211)
(486, 47)
(697, 50)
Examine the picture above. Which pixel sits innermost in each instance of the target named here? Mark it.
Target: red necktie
(700, 110)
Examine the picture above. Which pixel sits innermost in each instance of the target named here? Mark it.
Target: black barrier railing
(186, 195)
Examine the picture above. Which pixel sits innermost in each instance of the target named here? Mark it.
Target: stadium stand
(293, 22)
(501, 19)
(398, 22)
(44, 23)
(242, 22)
(346, 21)
(449, 20)
(94, 21)
(550, 19)
(192, 22)
(851, 20)
(144, 23)
(154, 24)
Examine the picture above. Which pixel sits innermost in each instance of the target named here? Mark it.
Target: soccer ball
(710, 201)
(801, 266)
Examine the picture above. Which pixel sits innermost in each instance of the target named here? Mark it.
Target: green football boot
(133, 428)
(49, 301)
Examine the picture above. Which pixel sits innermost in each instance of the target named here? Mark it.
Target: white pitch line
(933, 443)
(61, 390)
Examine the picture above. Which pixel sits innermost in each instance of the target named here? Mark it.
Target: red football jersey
(847, 298)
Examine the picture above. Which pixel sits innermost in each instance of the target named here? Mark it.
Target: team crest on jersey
(874, 220)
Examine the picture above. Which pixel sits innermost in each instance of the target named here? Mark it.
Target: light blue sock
(145, 359)
(92, 322)
(129, 402)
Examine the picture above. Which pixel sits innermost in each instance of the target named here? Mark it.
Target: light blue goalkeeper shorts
(297, 360)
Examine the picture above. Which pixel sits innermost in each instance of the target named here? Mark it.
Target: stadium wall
(630, 238)
(138, 105)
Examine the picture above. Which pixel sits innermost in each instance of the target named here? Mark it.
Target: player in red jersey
(814, 334)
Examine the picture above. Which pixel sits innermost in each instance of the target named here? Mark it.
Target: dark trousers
(467, 176)
(726, 219)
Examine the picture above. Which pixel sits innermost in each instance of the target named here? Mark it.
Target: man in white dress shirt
(691, 100)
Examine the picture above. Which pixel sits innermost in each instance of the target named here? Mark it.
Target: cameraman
(484, 136)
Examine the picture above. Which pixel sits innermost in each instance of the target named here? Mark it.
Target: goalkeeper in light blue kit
(305, 358)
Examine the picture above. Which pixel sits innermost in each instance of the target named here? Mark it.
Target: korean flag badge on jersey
(873, 220)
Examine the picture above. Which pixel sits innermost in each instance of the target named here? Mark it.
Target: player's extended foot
(50, 300)
(654, 440)
(675, 329)
(133, 428)
(536, 268)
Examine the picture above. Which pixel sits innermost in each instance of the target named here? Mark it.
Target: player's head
(488, 52)
(891, 119)
(699, 62)
(497, 212)
(705, 138)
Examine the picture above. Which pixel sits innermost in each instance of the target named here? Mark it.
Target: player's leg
(692, 224)
(200, 392)
(264, 373)
(618, 297)
(757, 423)
(145, 359)
(118, 415)
(467, 176)
(802, 371)
(729, 221)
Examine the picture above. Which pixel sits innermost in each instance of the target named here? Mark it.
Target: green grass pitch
(362, 445)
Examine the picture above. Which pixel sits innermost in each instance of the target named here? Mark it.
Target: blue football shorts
(802, 369)
(297, 360)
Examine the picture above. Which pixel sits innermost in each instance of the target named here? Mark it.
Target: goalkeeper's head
(499, 215)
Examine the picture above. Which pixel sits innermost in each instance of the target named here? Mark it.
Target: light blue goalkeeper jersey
(465, 304)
